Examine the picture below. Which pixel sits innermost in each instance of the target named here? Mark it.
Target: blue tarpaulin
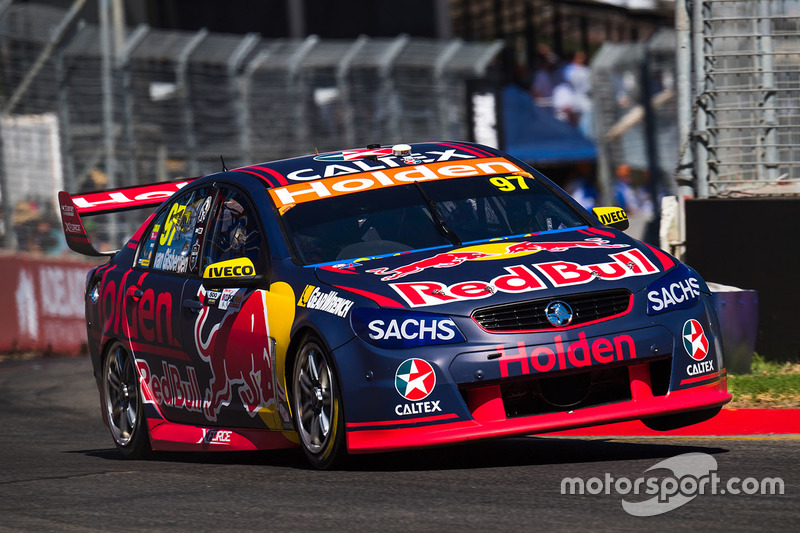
(535, 136)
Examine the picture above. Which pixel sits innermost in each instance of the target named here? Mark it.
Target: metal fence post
(187, 113)
(387, 86)
(124, 66)
(702, 80)
(62, 109)
(344, 89)
(443, 96)
(246, 85)
(294, 84)
(249, 42)
(683, 67)
(770, 121)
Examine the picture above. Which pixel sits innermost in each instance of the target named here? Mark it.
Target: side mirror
(615, 217)
(233, 273)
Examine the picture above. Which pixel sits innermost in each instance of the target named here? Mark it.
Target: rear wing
(73, 207)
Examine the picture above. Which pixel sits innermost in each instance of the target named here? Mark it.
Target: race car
(381, 299)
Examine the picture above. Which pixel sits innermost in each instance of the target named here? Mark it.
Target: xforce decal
(521, 278)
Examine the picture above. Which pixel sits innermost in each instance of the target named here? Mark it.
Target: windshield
(397, 219)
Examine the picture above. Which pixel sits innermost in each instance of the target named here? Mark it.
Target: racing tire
(122, 401)
(317, 405)
(670, 422)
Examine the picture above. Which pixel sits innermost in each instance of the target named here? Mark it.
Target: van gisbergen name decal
(390, 177)
(521, 278)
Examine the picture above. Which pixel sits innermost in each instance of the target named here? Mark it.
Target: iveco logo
(558, 313)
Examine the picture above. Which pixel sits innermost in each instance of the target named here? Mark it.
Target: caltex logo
(694, 340)
(414, 379)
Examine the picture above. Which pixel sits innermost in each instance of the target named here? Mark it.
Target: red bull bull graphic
(488, 251)
(445, 260)
(237, 350)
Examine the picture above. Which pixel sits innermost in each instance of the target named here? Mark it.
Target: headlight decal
(397, 330)
(680, 289)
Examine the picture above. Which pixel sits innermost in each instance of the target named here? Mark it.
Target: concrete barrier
(44, 308)
(737, 310)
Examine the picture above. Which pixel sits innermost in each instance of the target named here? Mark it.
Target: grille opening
(530, 315)
(660, 374)
(555, 394)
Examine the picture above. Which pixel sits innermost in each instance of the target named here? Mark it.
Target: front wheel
(317, 404)
(123, 403)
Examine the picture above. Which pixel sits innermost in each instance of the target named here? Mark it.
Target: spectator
(564, 103)
(580, 186)
(580, 77)
(624, 195)
(544, 78)
(25, 219)
(48, 238)
(634, 199)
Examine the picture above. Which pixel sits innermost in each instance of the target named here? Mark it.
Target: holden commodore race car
(385, 298)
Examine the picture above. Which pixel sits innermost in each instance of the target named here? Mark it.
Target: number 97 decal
(506, 184)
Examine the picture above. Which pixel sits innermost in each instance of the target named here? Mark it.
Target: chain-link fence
(747, 61)
(180, 100)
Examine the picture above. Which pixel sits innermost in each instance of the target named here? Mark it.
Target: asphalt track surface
(60, 472)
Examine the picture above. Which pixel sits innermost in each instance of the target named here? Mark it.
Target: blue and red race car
(381, 299)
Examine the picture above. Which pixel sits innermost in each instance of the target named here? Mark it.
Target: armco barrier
(43, 309)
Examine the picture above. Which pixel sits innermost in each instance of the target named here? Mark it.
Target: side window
(235, 232)
(145, 258)
(177, 234)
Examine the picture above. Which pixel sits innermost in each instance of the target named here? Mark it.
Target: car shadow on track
(521, 451)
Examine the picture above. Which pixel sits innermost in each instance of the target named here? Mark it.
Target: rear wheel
(317, 405)
(123, 403)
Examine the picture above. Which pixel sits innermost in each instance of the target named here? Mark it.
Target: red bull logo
(489, 251)
(520, 278)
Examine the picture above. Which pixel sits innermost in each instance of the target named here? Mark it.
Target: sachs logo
(694, 340)
(414, 379)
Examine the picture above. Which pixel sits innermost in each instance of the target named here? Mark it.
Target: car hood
(458, 279)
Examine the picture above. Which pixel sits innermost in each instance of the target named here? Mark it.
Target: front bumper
(490, 420)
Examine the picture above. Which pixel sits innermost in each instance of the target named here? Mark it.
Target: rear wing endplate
(73, 207)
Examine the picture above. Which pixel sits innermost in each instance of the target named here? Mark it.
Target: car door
(167, 254)
(226, 330)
